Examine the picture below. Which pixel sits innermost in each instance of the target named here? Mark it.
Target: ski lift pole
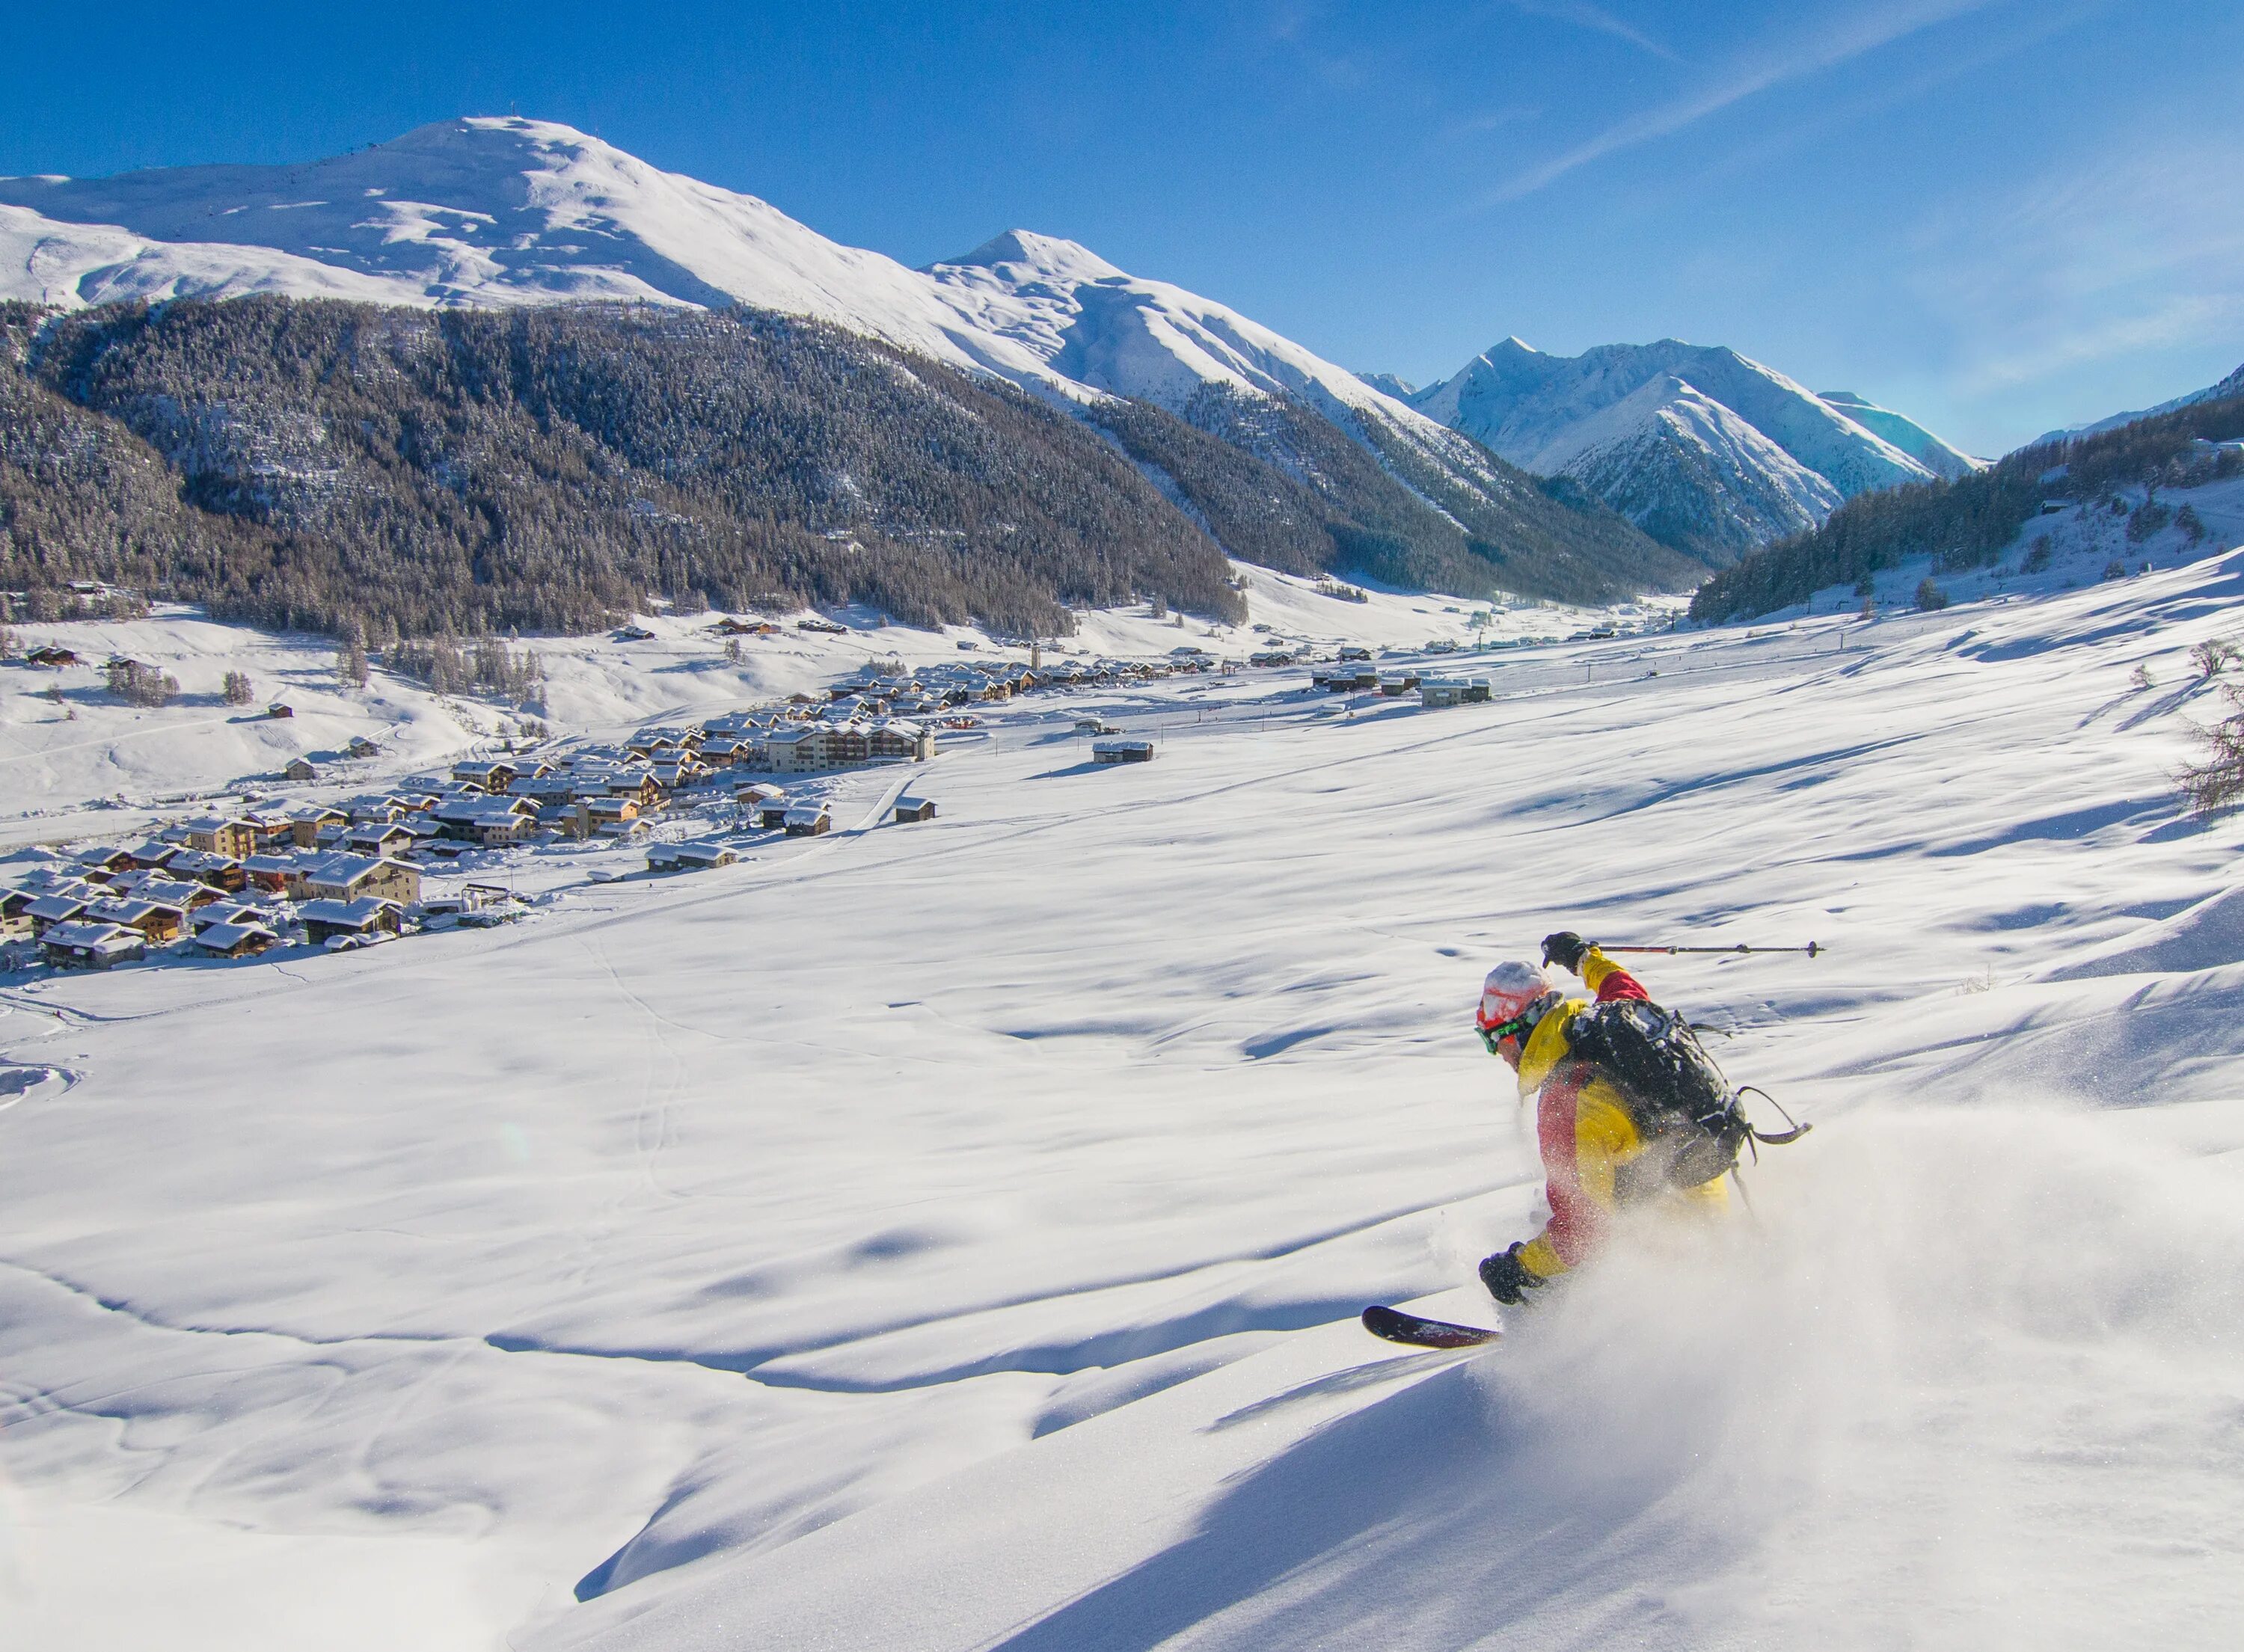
(1811, 949)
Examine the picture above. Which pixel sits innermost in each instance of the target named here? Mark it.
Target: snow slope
(947, 1235)
(1129, 336)
(483, 211)
(1685, 468)
(1904, 433)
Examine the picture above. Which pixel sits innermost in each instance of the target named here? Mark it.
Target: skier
(1594, 1152)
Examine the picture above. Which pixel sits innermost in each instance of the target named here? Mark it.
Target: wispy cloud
(2133, 254)
(1585, 16)
(1771, 65)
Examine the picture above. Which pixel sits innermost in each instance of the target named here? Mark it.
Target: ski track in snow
(950, 1235)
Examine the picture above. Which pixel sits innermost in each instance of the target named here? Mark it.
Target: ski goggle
(1494, 1035)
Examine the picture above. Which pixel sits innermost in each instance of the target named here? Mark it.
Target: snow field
(950, 1236)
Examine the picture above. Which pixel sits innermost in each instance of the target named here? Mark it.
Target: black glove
(1564, 949)
(1508, 1278)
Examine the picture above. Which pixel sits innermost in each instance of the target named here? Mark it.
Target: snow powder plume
(1854, 1418)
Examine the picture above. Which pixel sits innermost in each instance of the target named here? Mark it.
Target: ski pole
(1811, 948)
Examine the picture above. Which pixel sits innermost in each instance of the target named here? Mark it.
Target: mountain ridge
(1597, 418)
(488, 212)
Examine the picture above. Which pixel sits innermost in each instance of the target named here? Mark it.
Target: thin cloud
(1772, 67)
(1585, 15)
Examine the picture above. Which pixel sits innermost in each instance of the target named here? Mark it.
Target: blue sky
(1997, 216)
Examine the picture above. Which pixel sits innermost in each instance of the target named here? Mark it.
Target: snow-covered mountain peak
(1023, 255)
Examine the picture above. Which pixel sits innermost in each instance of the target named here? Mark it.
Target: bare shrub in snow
(2142, 679)
(2211, 656)
(239, 689)
(2216, 784)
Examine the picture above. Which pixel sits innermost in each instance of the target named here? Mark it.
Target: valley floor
(950, 1236)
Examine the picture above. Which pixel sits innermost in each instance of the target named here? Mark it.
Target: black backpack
(1691, 1118)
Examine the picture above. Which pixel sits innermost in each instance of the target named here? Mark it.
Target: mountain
(1904, 433)
(2230, 386)
(327, 466)
(1372, 486)
(1637, 426)
(1387, 384)
(1976, 519)
(488, 212)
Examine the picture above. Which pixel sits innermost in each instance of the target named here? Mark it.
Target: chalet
(677, 775)
(544, 790)
(640, 788)
(304, 828)
(823, 627)
(328, 920)
(1477, 690)
(756, 791)
(353, 877)
(478, 905)
(278, 710)
(277, 874)
(47, 911)
(728, 626)
(633, 634)
(198, 866)
(1094, 725)
(770, 815)
(360, 746)
(272, 828)
(92, 945)
(55, 658)
(378, 838)
(152, 854)
(103, 862)
(221, 835)
(1441, 690)
(1353, 652)
(489, 774)
(230, 911)
(1396, 682)
(191, 896)
(607, 817)
(235, 938)
(156, 920)
(720, 751)
(13, 903)
(1121, 750)
(502, 821)
(806, 821)
(689, 857)
(910, 808)
(301, 768)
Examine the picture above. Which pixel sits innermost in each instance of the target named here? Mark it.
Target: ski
(1392, 1324)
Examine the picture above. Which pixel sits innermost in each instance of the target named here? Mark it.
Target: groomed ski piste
(951, 1236)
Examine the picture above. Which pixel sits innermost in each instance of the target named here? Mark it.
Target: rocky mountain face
(1708, 451)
